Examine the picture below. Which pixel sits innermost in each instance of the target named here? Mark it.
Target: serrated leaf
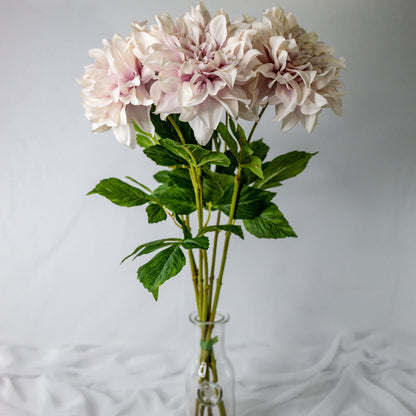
(214, 185)
(206, 157)
(283, 167)
(228, 139)
(143, 138)
(160, 268)
(250, 203)
(153, 246)
(163, 156)
(201, 242)
(155, 213)
(195, 155)
(120, 193)
(241, 135)
(163, 241)
(235, 229)
(163, 176)
(144, 141)
(253, 163)
(232, 127)
(181, 201)
(178, 149)
(269, 224)
(228, 170)
(178, 176)
(260, 148)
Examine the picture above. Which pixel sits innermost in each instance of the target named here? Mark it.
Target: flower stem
(178, 130)
(213, 260)
(256, 123)
(226, 243)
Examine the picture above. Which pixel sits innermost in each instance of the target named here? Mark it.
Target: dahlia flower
(116, 90)
(298, 75)
(203, 65)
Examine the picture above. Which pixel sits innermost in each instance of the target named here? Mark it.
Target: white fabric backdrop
(371, 374)
(353, 265)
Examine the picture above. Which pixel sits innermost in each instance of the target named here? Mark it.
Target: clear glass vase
(210, 375)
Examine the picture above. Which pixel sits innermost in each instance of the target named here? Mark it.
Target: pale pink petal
(202, 132)
(309, 122)
(217, 27)
(125, 134)
(289, 122)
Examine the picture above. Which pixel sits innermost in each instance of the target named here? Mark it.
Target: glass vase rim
(221, 317)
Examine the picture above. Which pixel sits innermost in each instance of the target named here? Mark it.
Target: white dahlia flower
(298, 75)
(115, 90)
(202, 65)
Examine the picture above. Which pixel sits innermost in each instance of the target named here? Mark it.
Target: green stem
(214, 258)
(256, 123)
(178, 130)
(205, 298)
(200, 285)
(194, 278)
(226, 243)
(195, 175)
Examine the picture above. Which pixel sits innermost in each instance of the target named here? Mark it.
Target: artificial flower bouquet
(178, 89)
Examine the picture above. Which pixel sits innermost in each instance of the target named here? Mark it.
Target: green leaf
(250, 203)
(228, 139)
(120, 193)
(178, 176)
(152, 244)
(241, 135)
(160, 268)
(253, 163)
(283, 167)
(178, 149)
(228, 170)
(270, 224)
(232, 126)
(163, 156)
(163, 176)
(259, 148)
(235, 229)
(181, 201)
(252, 166)
(144, 141)
(206, 157)
(214, 185)
(155, 213)
(143, 138)
(201, 242)
(195, 155)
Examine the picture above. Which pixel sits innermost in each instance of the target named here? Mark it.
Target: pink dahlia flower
(203, 65)
(115, 89)
(298, 75)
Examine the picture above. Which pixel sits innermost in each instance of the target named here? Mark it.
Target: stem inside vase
(210, 377)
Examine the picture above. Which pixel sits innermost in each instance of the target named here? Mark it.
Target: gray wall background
(352, 267)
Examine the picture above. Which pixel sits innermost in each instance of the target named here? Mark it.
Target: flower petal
(217, 28)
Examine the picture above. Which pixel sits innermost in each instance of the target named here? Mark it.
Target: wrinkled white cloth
(372, 374)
